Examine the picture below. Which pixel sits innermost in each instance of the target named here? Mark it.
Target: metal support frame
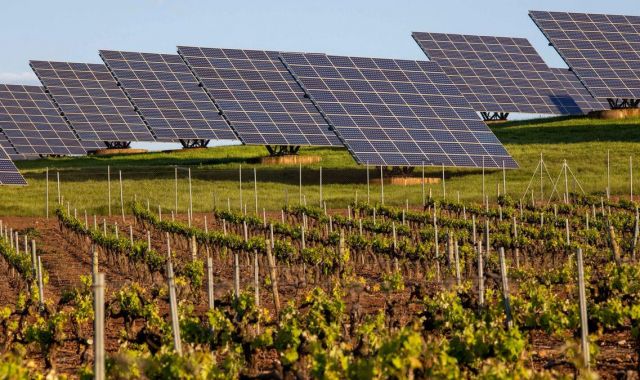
(282, 150)
(118, 144)
(494, 116)
(195, 143)
(618, 103)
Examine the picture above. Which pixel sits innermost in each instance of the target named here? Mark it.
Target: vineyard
(445, 290)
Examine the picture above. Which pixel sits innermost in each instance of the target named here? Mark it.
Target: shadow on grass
(567, 130)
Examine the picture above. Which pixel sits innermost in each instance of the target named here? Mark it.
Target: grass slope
(582, 142)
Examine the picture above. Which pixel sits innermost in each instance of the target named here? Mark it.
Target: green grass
(582, 142)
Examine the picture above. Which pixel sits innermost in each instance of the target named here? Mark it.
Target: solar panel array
(259, 97)
(498, 74)
(168, 96)
(397, 112)
(603, 50)
(578, 91)
(33, 124)
(9, 174)
(91, 101)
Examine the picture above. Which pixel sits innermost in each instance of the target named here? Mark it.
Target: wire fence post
(320, 186)
(108, 186)
(255, 188)
(381, 186)
(190, 199)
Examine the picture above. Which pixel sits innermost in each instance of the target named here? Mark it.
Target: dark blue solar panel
(603, 50)
(168, 96)
(259, 97)
(384, 118)
(33, 124)
(9, 174)
(91, 101)
(498, 74)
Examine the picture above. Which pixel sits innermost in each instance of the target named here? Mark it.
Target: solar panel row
(603, 50)
(397, 112)
(168, 96)
(498, 74)
(259, 97)
(33, 125)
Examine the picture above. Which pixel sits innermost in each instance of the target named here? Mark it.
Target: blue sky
(74, 30)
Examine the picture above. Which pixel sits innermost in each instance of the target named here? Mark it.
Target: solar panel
(9, 174)
(498, 74)
(603, 50)
(8, 148)
(396, 112)
(33, 124)
(577, 90)
(168, 96)
(91, 101)
(259, 97)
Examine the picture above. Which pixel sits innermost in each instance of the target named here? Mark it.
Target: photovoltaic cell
(578, 91)
(91, 101)
(168, 96)
(33, 124)
(396, 112)
(9, 174)
(498, 74)
(603, 50)
(259, 97)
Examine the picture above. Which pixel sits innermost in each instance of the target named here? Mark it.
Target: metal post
(424, 201)
(444, 189)
(273, 276)
(98, 326)
(504, 179)
(368, 185)
(173, 303)
(321, 201)
(108, 185)
(121, 194)
(40, 283)
(505, 288)
(59, 194)
(176, 189)
(483, 186)
(210, 283)
(47, 193)
(255, 188)
(608, 177)
(584, 328)
(256, 279)
(190, 198)
(381, 187)
(300, 183)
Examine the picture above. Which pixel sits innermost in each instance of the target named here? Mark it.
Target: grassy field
(582, 142)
